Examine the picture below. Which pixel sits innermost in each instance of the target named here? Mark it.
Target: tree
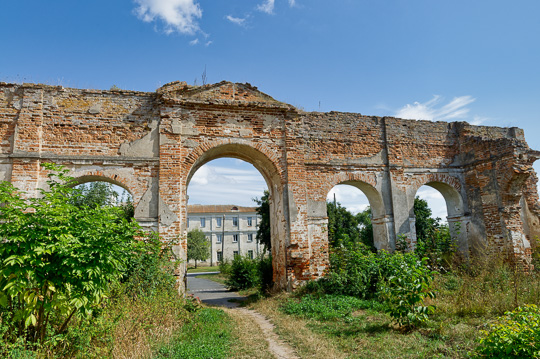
(198, 247)
(57, 259)
(365, 227)
(102, 194)
(95, 194)
(263, 232)
(433, 238)
(342, 226)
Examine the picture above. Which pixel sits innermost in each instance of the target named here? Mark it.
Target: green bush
(353, 271)
(401, 280)
(56, 259)
(404, 288)
(244, 274)
(149, 270)
(266, 273)
(515, 335)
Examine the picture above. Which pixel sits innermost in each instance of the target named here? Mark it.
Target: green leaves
(514, 335)
(57, 258)
(198, 246)
(405, 290)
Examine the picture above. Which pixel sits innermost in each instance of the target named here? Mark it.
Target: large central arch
(270, 172)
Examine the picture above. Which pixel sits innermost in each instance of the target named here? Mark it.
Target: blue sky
(475, 61)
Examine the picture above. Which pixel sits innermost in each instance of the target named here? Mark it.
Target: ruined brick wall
(152, 144)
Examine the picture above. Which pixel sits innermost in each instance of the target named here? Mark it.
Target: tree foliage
(198, 247)
(57, 259)
(342, 226)
(263, 210)
(433, 238)
(102, 194)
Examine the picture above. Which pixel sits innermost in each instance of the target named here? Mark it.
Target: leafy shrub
(56, 259)
(401, 280)
(404, 289)
(266, 273)
(225, 267)
(353, 271)
(515, 335)
(149, 269)
(244, 273)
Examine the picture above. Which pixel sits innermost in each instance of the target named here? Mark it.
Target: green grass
(203, 269)
(219, 278)
(361, 329)
(327, 307)
(209, 335)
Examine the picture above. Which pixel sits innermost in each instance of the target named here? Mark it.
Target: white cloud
(292, 3)
(477, 120)
(267, 6)
(194, 42)
(208, 43)
(350, 197)
(177, 15)
(226, 181)
(236, 20)
(433, 111)
(435, 200)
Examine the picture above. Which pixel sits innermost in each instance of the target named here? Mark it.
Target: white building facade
(231, 230)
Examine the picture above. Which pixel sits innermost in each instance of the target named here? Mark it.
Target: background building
(231, 230)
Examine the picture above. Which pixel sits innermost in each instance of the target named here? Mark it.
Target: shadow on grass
(342, 329)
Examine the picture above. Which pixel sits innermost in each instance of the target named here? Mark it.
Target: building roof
(219, 208)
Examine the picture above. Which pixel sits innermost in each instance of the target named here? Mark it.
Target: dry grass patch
(296, 332)
(251, 342)
(145, 323)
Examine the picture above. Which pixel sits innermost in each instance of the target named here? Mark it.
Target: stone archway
(270, 172)
(458, 222)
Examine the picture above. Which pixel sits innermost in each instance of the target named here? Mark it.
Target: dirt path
(216, 294)
(276, 346)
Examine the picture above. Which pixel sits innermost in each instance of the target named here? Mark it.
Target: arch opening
(439, 219)
(366, 221)
(245, 174)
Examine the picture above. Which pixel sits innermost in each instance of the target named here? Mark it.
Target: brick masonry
(152, 143)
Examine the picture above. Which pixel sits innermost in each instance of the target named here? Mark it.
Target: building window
(250, 221)
(188, 222)
(218, 222)
(203, 222)
(219, 238)
(235, 221)
(235, 238)
(235, 253)
(220, 256)
(250, 237)
(250, 254)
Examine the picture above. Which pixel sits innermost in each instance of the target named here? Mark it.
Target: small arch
(454, 202)
(380, 222)
(456, 218)
(96, 178)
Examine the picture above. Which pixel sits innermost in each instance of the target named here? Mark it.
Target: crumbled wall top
(226, 93)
